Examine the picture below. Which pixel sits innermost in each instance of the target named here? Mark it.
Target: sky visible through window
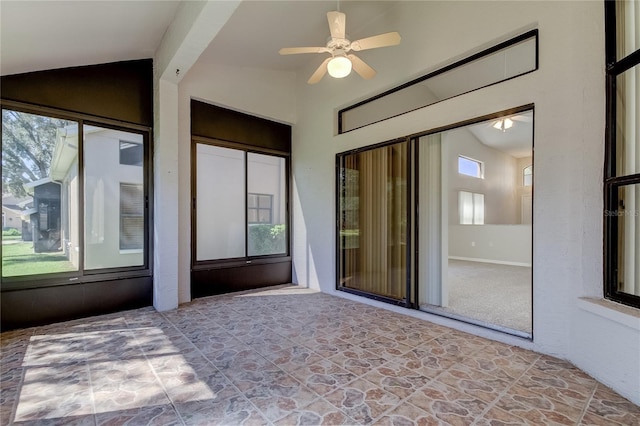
(469, 167)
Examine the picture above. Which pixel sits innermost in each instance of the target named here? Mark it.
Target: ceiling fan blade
(361, 67)
(296, 50)
(319, 73)
(382, 40)
(337, 23)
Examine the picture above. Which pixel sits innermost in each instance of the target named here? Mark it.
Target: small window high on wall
(470, 167)
(504, 61)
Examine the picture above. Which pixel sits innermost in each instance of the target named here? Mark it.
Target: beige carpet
(496, 294)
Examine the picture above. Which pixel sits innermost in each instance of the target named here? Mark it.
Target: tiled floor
(286, 357)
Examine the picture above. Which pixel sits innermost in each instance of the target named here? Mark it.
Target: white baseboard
(497, 262)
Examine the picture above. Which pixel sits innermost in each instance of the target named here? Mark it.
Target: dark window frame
(534, 33)
(198, 265)
(83, 275)
(408, 301)
(614, 67)
(413, 243)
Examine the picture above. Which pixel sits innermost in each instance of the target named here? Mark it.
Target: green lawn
(20, 259)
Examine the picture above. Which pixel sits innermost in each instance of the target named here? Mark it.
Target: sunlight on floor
(115, 365)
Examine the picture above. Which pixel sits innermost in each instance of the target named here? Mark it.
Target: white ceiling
(516, 141)
(258, 29)
(38, 35)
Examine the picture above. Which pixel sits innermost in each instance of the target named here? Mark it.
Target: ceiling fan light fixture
(503, 124)
(339, 67)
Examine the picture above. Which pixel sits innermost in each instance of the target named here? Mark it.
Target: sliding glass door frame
(82, 275)
(407, 301)
(246, 259)
(413, 218)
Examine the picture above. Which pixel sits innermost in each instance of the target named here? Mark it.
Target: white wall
(104, 174)
(497, 185)
(502, 244)
(263, 93)
(568, 93)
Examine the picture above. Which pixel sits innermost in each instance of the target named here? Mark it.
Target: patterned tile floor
(287, 356)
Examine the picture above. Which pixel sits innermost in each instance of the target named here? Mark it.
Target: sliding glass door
(374, 222)
(470, 223)
(474, 188)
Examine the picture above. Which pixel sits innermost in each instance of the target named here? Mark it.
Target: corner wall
(266, 94)
(568, 93)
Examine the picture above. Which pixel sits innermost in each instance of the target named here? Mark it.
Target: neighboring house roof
(64, 152)
(29, 186)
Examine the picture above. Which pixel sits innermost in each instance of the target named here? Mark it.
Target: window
(527, 176)
(259, 208)
(622, 162)
(241, 204)
(470, 167)
(131, 153)
(89, 205)
(114, 198)
(506, 60)
(131, 217)
(471, 208)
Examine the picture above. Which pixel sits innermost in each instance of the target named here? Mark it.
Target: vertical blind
(374, 221)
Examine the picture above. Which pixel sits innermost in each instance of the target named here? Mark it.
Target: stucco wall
(568, 93)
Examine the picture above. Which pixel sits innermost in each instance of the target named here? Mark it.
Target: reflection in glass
(627, 129)
(114, 198)
(373, 221)
(627, 27)
(39, 194)
(266, 205)
(508, 62)
(475, 235)
(628, 218)
(220, 194)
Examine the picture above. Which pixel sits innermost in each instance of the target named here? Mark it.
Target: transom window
(470, 167)
(527, 176)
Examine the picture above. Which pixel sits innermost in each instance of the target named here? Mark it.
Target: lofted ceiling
(39, 35)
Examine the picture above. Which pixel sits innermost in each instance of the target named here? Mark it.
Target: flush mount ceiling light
(503, 124)
(340, 63)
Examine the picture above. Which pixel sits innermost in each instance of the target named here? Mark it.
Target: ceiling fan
(341, 61)
(505, 123)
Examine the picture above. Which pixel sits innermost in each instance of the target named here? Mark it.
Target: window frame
(474, 207)
(531, 34)
(201, 265)
(614, 67)
(82, 275)
(528, 169)
(473, 160)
